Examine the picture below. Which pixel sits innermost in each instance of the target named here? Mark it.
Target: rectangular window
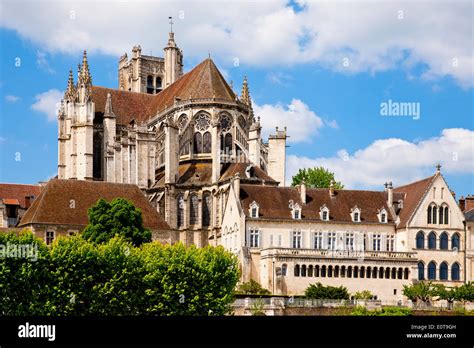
(332, 240)
(297, 239)
(390, 243)
(356, 217)
(318, 240)
(49, 237)
(279, 240)
(376, 242)
(254, 238)
(297, 214)
(325, 215)
(349, 241)
(254, 212)
(271, 240)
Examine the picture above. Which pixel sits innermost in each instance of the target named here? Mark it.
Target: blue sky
(297, 79)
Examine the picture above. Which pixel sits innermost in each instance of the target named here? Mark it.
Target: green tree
(25, 280)
(465, 292)
(419, 292)
(251, 288)
(119, 217)
(189, 281)
(317, 177)
(363, 295)
(319, 291)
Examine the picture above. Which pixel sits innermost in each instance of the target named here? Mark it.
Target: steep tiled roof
(273, 203)
(412, 195)
(258, 174)
(200, 173)
(53, 204)
(19, 192)
(127, 106)
(203, 82)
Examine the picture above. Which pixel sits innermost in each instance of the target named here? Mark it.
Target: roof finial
(70, 94)
(171, 24)
(245, 95)
(438, 168)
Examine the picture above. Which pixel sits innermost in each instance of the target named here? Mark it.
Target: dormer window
(295, 211)
(324, 213)
(254, 210)
(382, 215)
(355, 214)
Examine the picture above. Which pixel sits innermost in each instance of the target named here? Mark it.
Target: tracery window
(225, 122)
(194, 210)
(203, 121)
(180, 206)
(206, 209)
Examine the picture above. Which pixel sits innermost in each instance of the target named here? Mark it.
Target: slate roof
(53, 204)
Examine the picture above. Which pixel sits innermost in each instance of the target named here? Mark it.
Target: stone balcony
(337, 254)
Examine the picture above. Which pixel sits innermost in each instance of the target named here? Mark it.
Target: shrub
(318, 291)
(251, 288)
(363, 295)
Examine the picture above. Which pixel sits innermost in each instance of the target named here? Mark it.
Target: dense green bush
(318, 291)
(363, 295)
(385, 311)
(77, 277)
(251, 288)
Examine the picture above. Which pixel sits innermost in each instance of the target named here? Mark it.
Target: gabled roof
(53, 206)
(469, 215)
(274, 201)
(412, 194)
(18, 192)
(203, 82)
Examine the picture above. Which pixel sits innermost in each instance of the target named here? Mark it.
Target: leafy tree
(444, 293)
(317, 177)
(465, 292)
(119, 217)
(189, 281)
(318, 291)
(363, 295)
(24, 276)
(419, 292)
(77, 277)
(252, 288)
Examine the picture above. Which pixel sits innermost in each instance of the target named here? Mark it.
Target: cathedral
(192, 149)
(182, 138)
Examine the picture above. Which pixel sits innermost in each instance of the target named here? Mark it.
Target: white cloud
(43, 63)
(11, 98)
(373, 36)
(396, 160)
(48, 103)
(301, 122)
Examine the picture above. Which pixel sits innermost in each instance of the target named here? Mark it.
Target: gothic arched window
(432, 240)
(197, 142)
(225, 122)
(421, 271)
(443, 271)
(284, 268)
(443, 241)
(428, 214)
(206, 143)
(455, 274)
(455, 241)
(420, 240)
(206, 209)
(432, 271)
(194, 210)
(228, 143)
(446, 215)
(435, 210)
(297, 270)
(158, 85)
(180, 206)
(149, 85)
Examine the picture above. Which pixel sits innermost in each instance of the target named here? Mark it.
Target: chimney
(331, 189)
(462, 204)
(237, 185)
(469, 203)
(389, 194)
(303, 192)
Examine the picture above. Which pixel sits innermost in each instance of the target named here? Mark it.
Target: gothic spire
(245, 95)
(84, 83)
(70, 93)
